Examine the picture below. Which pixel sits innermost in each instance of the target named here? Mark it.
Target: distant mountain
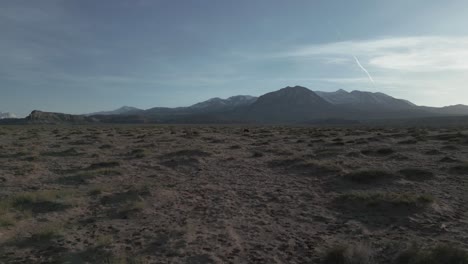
(124, 110)
(7, 115)
(290, 104)
(224, 104)
(212, 106)
(451, 110)
(39, 117)
(365, 100)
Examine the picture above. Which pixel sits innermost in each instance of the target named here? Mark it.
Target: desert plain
(232, 194)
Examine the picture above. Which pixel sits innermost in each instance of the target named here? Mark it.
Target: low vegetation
(349, 254)
(208, 194)
(378, 199)
(369, 176)
(416, 174)
(449, 254)
(460, 169)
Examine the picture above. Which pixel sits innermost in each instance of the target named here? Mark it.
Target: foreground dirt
(161, 194)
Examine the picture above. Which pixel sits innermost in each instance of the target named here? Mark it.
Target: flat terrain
(213, 194)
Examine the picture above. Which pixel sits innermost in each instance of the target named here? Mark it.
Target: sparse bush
(102, 165)
(257, 154)
(66, 153)
(408, 142)
(349, 254)
(460, 169)
(138, 153)
(385, 151)
(378, 152)
(35, 202)
(6, 220)
(95, 191)
(369, 176)
(417, 174)
(104, 240)
(42, 237)
(188, 153)
(86, 176)
(378, 199)
(306, 166)
(449, 254)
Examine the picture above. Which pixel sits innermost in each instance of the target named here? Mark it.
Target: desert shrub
(349, 254)
(385, 151)
(42, 237)
(34, 202)
(65, 153)
(86, 176)
(101, 165)
(305, 165)
(104, 240)
(6, 220)
(138, 153)
(130, 196)
(129, 209)
(378, 152)
(433, 152)
(257, 154)
(416, 174)
(460, 169)
(449, 160)
(188, 153)
(408, 142)
(369, 176)
(436, 255)
(39, 202)
(376, 199)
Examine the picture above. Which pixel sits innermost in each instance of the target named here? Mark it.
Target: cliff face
(55, 118)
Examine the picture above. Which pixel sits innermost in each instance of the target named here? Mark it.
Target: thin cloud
(412, 54)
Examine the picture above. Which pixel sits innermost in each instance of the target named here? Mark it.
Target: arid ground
(230, 194)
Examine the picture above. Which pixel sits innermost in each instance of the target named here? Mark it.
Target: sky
(82, 56)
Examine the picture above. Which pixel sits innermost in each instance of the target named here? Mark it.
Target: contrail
(364, 69)
(340, 37)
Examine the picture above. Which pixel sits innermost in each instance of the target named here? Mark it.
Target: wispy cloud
(414, 54)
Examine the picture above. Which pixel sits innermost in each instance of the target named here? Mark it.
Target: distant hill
(290, 104)
(39, 117)
(366, 100)
(124, 110)
(457, 110)
(217, 104)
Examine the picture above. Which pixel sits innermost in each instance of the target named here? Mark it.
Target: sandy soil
(213, 194)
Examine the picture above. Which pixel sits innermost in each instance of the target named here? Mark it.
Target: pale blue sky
(80, 56)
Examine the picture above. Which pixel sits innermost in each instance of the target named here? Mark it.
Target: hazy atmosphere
(84, 56)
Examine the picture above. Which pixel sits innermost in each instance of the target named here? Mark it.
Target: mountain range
(297, 104)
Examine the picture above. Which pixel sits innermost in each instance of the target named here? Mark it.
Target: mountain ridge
(295, 104)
